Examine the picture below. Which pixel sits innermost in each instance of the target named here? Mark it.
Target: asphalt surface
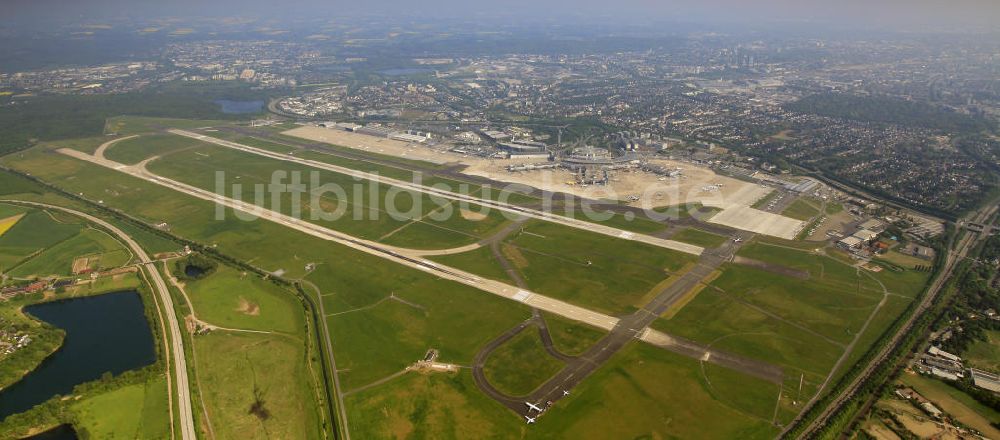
(176, 345)
(450, 195)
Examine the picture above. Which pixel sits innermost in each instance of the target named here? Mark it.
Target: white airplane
(533, 407)
(530, 419)
(565, 392)
(737, 239)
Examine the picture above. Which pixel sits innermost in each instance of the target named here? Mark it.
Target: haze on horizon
(952, 15)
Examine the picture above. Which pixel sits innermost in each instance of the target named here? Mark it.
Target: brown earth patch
(248, 308)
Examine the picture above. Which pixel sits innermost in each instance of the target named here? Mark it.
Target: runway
(450, 195)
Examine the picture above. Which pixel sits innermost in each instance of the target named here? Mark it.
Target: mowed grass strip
(520, 365)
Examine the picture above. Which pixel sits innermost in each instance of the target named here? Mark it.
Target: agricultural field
(41, 244)
(89, 250)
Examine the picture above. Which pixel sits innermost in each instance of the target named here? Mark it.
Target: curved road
(177, 345)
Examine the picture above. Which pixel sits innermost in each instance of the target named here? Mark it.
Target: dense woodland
(24, 121)
(884, 109)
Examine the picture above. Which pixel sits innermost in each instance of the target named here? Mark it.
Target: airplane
(565, 392)
(530, 419)
(533, 407)
(737, 239)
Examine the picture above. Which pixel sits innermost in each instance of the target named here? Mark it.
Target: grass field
(133, 411)
(371, 211)
(571, 337)
(102, 252)
(236, 370)
(801, 209)
(985, 355)
(603, 273)
(33, 233)
(135, 150)
(391, 322)
(521, 364)
(698, 237)
(644, 392)
(229, 298)
(433, 406)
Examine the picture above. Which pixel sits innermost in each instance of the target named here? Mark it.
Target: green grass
(521, 365)
(801, 210)
(375, 336)
(433, 406)
(13, 184)
(32, 234)
(363, 215)
(58, 259)
(722, 321)
(603, 273)
(571, 337)
(985, 355)
(828, 309)
(698, 237)
(229, 298)
(479, 261)
(132, 411)
(236, 368)
(135, 150)
(644, 392)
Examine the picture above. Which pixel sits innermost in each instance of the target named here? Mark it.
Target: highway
(176, 343)
(951, 261)
(450, 195)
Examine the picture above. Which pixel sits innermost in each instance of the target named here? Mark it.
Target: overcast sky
(955, 14)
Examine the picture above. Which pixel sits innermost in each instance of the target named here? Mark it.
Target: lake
(104, 333)
(240, 107)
